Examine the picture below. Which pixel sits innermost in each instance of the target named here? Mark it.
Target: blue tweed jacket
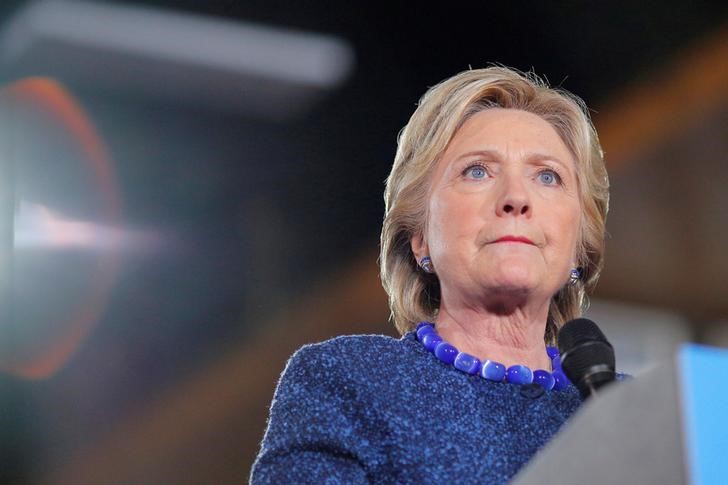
(371, 408)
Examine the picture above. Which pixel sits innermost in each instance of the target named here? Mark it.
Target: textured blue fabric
(374, 409)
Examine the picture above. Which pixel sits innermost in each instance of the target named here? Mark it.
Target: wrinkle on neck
(506, 332)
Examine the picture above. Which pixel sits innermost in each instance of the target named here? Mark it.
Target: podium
(667, 426)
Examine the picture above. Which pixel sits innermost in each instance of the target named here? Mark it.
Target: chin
(515, 276)
(514, 287)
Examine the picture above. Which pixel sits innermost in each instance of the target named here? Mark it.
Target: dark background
(262, 217)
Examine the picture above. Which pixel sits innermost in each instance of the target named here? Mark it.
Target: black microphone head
(587, 357)
(577, 331)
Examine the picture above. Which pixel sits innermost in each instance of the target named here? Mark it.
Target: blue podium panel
(705, 412)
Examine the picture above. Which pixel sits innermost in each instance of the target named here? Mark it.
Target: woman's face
(504, 212)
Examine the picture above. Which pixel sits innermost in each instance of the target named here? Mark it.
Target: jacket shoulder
(349, 358)
(348, 346)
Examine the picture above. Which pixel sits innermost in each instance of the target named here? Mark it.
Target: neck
(511, 337)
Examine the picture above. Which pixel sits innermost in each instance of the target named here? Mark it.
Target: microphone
(587, 357)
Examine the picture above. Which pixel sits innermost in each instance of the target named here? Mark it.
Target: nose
(514, 199)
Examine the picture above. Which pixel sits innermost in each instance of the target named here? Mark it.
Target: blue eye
(549, 177)
(476, 172)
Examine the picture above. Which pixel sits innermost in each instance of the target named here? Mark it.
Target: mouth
(514, 239)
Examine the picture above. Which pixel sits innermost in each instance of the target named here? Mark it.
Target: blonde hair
(415, 295)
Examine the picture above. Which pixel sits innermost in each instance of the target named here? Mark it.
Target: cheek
(563, 228)
(570, 225)
(450, 219)
(438, 229)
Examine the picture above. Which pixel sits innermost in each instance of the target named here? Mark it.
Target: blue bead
(519, 374)
(422, 324)
(424, 330)
(556, 363)
(467, 363)
(493, 371)
(560, 380)
(446, 352)
(430, 340)
(544, 378)
(552, 352)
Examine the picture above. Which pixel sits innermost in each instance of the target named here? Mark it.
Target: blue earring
(574, 276)
(426, 265)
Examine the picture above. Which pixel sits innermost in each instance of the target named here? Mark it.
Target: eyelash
(557, 175)
(474, 165)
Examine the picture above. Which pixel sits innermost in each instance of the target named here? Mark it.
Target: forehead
(508, 132)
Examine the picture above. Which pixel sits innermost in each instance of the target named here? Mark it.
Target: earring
(574, 276)
(426, 265)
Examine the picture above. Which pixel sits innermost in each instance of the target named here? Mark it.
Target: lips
(514, 239)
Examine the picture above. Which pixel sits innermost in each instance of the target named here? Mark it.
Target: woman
(493, 231)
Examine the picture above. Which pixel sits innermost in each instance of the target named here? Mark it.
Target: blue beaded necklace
(491, 370)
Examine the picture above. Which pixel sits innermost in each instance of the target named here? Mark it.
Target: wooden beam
(658, 106)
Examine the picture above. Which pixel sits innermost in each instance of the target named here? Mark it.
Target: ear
(419, 246)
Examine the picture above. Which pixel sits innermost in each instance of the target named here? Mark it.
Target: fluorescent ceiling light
(162, 53)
